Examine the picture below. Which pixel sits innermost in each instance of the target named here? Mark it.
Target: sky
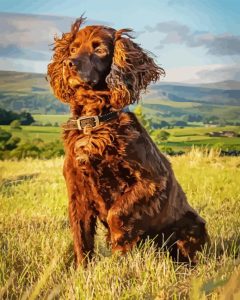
(195, 41)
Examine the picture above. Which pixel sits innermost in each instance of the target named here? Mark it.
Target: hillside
(28, 91)
(203, 94)
(31, 92)
(225, 85)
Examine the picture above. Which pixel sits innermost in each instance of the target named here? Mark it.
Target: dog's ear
(132, 70)
(55, 68)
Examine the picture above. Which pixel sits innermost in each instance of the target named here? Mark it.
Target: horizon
(196, 43)
(161, 81)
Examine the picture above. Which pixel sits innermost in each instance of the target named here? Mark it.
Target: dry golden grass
(36, 260)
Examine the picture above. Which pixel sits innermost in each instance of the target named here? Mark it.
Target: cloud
(220, 73)
(176, 33)
(13, 51)
(23, 65)
(204, 73)
(29, 37)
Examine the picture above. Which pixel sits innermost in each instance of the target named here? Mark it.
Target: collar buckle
(84, 122)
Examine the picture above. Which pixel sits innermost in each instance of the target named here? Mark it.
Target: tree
(15, 125)
(162, 135)
(6, 117)
(4, 138)
(211, 120)
(25, 150)
(193, 118)
(7, 143)
(142, 118)
(180, 123)
(4, 135)
(161, 124)
(48, 124)
(26, 118)
(167, 150)
(12, 143)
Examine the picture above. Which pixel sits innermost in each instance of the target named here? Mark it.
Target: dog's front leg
(124, 221)
(75, 222)
(123, 234)
(82, 218)
(83, 224)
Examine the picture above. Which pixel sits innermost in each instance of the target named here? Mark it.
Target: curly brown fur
(114, 172)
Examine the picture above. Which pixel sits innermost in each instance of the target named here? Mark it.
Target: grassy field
(46, 133)
(52, 119)
(36, 260)
(170, 103)
(179, 139)
(185, 138)
(168, 110)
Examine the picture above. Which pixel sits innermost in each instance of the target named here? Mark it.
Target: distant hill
(31, 92)
(21, 91)
(218, 93)
(225, 85)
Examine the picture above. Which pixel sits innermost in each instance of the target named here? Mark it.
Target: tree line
(13, 147)
(6, 117)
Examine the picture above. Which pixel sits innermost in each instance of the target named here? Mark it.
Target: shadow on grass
(6, 182)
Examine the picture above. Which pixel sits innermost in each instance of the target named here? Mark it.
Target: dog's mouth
(76, 81)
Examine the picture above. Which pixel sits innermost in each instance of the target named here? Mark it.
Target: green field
(36, 260)
(28, 133)
(164, 109)
(200, 131)
(179, 139)
(171, 103)
(52, 119)
(185, 138)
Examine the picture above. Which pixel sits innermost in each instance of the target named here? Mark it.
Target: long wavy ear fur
(132, 71)
(61, 52)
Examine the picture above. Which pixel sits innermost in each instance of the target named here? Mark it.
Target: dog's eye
(73, 50)
(95, 45)
(101, 51)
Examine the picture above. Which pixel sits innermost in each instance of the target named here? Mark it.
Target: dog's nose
(87, 79)
(70, 63)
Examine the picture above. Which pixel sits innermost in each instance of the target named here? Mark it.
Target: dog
(113, 170)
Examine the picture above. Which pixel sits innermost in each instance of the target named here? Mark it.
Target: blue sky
(194, 40)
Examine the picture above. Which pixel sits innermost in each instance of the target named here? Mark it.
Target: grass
(156, 109)
(171, 103)
(185, 138)
(52, 119)
(36, 259)
(46, 133)
(180, 138)
(177, 131)
(185, 144)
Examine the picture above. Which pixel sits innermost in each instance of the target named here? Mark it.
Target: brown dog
(113, 170)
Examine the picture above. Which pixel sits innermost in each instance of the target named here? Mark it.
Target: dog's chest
(109, 138)
(106, 179)
(101, 162)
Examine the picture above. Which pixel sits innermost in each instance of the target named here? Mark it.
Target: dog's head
(99, 58)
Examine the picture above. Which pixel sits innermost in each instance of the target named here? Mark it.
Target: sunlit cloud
(216, 44)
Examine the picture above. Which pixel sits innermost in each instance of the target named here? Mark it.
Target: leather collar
(82, 123)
